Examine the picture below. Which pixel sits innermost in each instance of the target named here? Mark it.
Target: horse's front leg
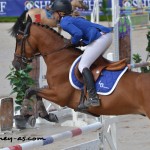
(41, 110)
(46, 93)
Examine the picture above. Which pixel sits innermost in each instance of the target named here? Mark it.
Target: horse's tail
(18, 24)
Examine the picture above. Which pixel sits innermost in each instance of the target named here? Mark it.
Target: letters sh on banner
(16, 7)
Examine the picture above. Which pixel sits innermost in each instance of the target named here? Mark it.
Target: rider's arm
(75, 32)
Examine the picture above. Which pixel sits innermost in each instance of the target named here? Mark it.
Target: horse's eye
(18, 39)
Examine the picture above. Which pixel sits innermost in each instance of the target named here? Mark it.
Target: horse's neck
(48, 40)
(52, 47)
(64, 58)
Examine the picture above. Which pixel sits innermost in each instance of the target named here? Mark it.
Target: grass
(8, 19)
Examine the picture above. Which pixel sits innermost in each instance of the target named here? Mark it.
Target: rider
(97, 38)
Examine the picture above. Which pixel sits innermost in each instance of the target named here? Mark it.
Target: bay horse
(131, 95)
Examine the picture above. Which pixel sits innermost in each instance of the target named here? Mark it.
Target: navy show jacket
(80, 28)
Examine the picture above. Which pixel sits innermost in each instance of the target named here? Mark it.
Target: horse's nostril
(15, 65)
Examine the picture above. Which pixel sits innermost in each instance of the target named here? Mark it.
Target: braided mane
(48, 28)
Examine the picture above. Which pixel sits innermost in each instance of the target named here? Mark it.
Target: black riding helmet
(63, 6)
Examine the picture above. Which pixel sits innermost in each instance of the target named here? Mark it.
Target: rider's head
(62, 7)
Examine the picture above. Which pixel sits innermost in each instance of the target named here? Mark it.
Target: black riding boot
(93, 99)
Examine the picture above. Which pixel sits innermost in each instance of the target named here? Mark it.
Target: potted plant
(20, 81)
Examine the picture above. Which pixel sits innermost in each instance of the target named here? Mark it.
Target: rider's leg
(92, 52)
(93, 99)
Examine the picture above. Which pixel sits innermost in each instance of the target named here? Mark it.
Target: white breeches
(94, 50)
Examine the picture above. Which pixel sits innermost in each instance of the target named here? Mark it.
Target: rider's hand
(81, 43)
(68, 43)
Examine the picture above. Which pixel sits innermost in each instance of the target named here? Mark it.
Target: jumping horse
(131, 95)
(44, 16)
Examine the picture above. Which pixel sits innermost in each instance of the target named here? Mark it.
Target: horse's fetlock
(29, 93)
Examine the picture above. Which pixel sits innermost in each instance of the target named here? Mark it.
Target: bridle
(24, 39)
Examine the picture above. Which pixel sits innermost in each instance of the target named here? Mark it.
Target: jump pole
(56, 137)
(115, 20)
(137, 65)
(95, 12)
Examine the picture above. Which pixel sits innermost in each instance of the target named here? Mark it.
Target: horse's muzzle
(18, 65)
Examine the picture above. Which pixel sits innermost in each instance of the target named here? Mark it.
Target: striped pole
(137, 65)
(56, 137)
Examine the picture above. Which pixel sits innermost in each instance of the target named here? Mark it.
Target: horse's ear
(27, 26)
(29, 19)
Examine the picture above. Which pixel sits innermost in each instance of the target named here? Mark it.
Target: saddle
(100, 64)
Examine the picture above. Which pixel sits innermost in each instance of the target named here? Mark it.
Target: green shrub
(20, 81)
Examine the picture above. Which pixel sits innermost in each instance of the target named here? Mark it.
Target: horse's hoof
(51, 117)
(81, 107)
(32, 121)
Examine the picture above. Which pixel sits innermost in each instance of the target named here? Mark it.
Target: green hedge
(13, 19)
(102, 18)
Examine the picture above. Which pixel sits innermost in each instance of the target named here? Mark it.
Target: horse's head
(79, 4)
(36, 39)
(24, 50)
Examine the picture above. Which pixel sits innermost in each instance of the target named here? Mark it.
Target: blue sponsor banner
(134, 6)
(16, 7)
(90, 4)
(10, 7)
(128, 7)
